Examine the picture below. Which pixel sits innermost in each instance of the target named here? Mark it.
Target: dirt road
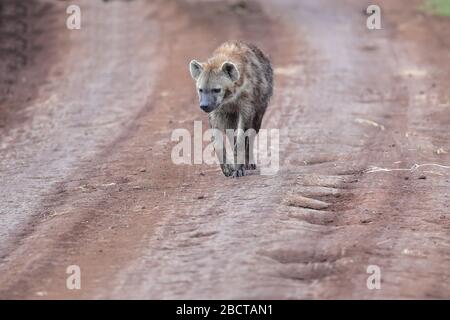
(87, 179)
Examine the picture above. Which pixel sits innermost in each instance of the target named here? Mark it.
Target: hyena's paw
(227, 170)
(250, 166)
(240, 172)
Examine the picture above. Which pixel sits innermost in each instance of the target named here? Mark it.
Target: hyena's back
(256, 81)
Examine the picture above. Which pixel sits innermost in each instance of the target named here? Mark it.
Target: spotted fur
(234, 87)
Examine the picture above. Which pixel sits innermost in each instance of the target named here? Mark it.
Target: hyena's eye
(216, 90)
(200, 90)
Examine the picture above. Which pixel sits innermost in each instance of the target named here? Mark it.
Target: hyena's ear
(231, 70)
(195, 68)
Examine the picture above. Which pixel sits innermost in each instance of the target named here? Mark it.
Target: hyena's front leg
(219, 148)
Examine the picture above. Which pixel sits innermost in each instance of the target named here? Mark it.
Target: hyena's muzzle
(208, 100)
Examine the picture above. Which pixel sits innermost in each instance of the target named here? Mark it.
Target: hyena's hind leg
(239, 152)
(221, 153)
(250, 160)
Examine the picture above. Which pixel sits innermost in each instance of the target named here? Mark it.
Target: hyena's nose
(204, 107)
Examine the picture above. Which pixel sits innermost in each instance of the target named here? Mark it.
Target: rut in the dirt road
(93, 91)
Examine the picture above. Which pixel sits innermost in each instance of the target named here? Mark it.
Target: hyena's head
(215, 83)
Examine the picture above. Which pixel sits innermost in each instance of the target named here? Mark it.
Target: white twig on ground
(416, 166)
(370, 122)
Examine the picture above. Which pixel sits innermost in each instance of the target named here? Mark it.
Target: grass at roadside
(437, 7)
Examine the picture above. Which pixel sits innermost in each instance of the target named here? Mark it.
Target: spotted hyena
(234, 87)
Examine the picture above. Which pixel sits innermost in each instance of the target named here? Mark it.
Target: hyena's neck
(224, 118)
(229, 107)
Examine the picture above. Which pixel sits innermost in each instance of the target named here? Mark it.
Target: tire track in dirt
(28, 37)
(95, 92)
(411, 250)
(386, 217)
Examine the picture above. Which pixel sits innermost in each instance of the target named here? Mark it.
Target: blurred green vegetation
(438, 7)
